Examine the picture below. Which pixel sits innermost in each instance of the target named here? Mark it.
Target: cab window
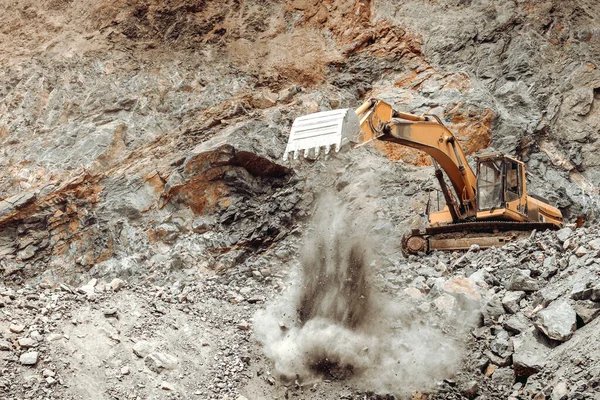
(489, 184)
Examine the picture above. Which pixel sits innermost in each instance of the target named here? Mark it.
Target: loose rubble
(518, 348)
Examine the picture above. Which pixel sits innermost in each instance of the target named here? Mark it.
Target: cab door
(514, 185)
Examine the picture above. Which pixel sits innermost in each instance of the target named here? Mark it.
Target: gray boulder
(521, 281)
(564, 234)
(558, 321)
(511, 300)
(531, 351)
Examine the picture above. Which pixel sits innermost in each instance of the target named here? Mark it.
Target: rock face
(122, 137)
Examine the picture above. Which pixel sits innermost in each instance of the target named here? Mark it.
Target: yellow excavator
(490, 208)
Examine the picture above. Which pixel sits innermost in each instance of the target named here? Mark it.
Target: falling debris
(339, 326)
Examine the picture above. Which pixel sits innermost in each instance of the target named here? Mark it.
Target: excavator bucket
(322, 131)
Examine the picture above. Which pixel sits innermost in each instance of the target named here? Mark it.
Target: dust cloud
(332, 322)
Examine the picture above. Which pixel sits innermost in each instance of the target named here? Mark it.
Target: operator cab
(500, 183)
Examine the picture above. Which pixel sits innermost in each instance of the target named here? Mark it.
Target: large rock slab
(558, 321)
(531, 350)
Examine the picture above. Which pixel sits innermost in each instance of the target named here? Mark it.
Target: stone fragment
(581, 290)
(461, 285)
(445, 303)
(257, 274)
(125, 370)
(48, 373)
(157, 362)
(101, 287)
(86, 289)
(500, 361)
(558, 321)
(503, 377)
(469, 389)
(511, 300)
(16, 328)
(560, 391)
(581, 251)
(16, 202)
(548, 294)
(27, 343)
(117, 284)
(501, 345)
(244, 325)
(587, 310)
(245, 290)
(203, 224)
(595, 293)
(522, 282)
(142, 348)
(29, 358)
(54, 336)
(264, 99)
(167, 232)
(166, 386)
(424, 307)
(563, 234)
(50, 380)
(414, 293)
(266, 272)
(256, 299)
(236, 299)
(5, 346)
(482, 280)
(27, 253)
(493, 309)
(516, 323)
(110, 312)
(594, 244)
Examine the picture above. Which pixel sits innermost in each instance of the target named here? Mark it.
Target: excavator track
(461, 236)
